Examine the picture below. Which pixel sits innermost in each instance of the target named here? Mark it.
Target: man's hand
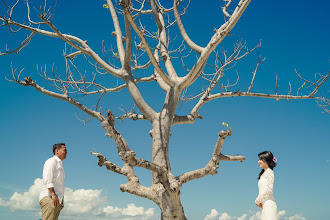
(260, 205)
(55, 199)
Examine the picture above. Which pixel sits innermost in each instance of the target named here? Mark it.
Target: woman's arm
(269, 175)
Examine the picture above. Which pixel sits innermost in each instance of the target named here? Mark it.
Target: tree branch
(147, 165)
(231, 158)
(133, 186)
(129, 47)
(217, 38)
(146, 110)
(324, 103)
(255, 72)
(29, 82)
(239, 93)
(142, 66)
(118, 32)
(190, 43)
(69, 39)
(73, 54)
(316, 84)
(24, 44)
(189, 119)
(224, 9)
(158, 78)
(130, 159)
(145, 44)
(163, 41)
(149, 11)
(133, 116)
(108, 164)
(63, 37)
(101, 89)
(213, 164)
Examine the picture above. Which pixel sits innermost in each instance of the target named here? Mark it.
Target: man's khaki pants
(48, 210)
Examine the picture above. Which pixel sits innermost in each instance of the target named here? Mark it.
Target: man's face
(61, 153)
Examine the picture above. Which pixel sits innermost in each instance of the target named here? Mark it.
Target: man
(52, 195)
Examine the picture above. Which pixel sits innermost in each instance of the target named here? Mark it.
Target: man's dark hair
(57, 146)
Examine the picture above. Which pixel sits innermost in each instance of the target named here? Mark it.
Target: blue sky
(295, 35)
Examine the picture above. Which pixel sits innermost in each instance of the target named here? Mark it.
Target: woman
(265, 199)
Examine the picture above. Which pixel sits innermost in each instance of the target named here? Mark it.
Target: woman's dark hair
(57, 146)
(267, 157)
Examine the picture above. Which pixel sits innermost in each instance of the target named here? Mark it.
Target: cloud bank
(90, 204)
(86, 203)
(215, 215)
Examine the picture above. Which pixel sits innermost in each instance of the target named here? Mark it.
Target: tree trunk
(171, 206)
(161, 135)
(168, 197)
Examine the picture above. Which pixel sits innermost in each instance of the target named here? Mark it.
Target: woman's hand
(260, 205)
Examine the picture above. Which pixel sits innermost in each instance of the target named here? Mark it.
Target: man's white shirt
(53, 177)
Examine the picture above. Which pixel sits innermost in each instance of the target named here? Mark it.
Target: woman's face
(263, 164)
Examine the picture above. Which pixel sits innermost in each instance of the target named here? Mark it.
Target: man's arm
(54, 196)
(48, 179)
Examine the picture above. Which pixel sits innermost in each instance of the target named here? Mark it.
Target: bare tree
(136, 51)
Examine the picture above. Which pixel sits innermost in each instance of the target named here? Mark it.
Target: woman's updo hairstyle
(269, 158)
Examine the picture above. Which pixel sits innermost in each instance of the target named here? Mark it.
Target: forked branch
(213, 164)
(317, 84)
(133, 185)
(217, 38)
(145, 44)
(75, 42)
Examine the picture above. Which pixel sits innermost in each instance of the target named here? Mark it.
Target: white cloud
(255, 216)
(297, 217)
(225, 216)
(111, 210)
(251, 215)
(131, 211)
(82, 202)
(28, 200)
(214, 213)
(3, 203)
(281, 214)
(150, 212)
(243, 217)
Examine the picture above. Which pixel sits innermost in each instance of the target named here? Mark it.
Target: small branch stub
(224, 133)
(111, 118)
(28, 80)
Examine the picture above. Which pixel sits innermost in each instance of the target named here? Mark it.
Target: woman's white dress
(266, 197)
